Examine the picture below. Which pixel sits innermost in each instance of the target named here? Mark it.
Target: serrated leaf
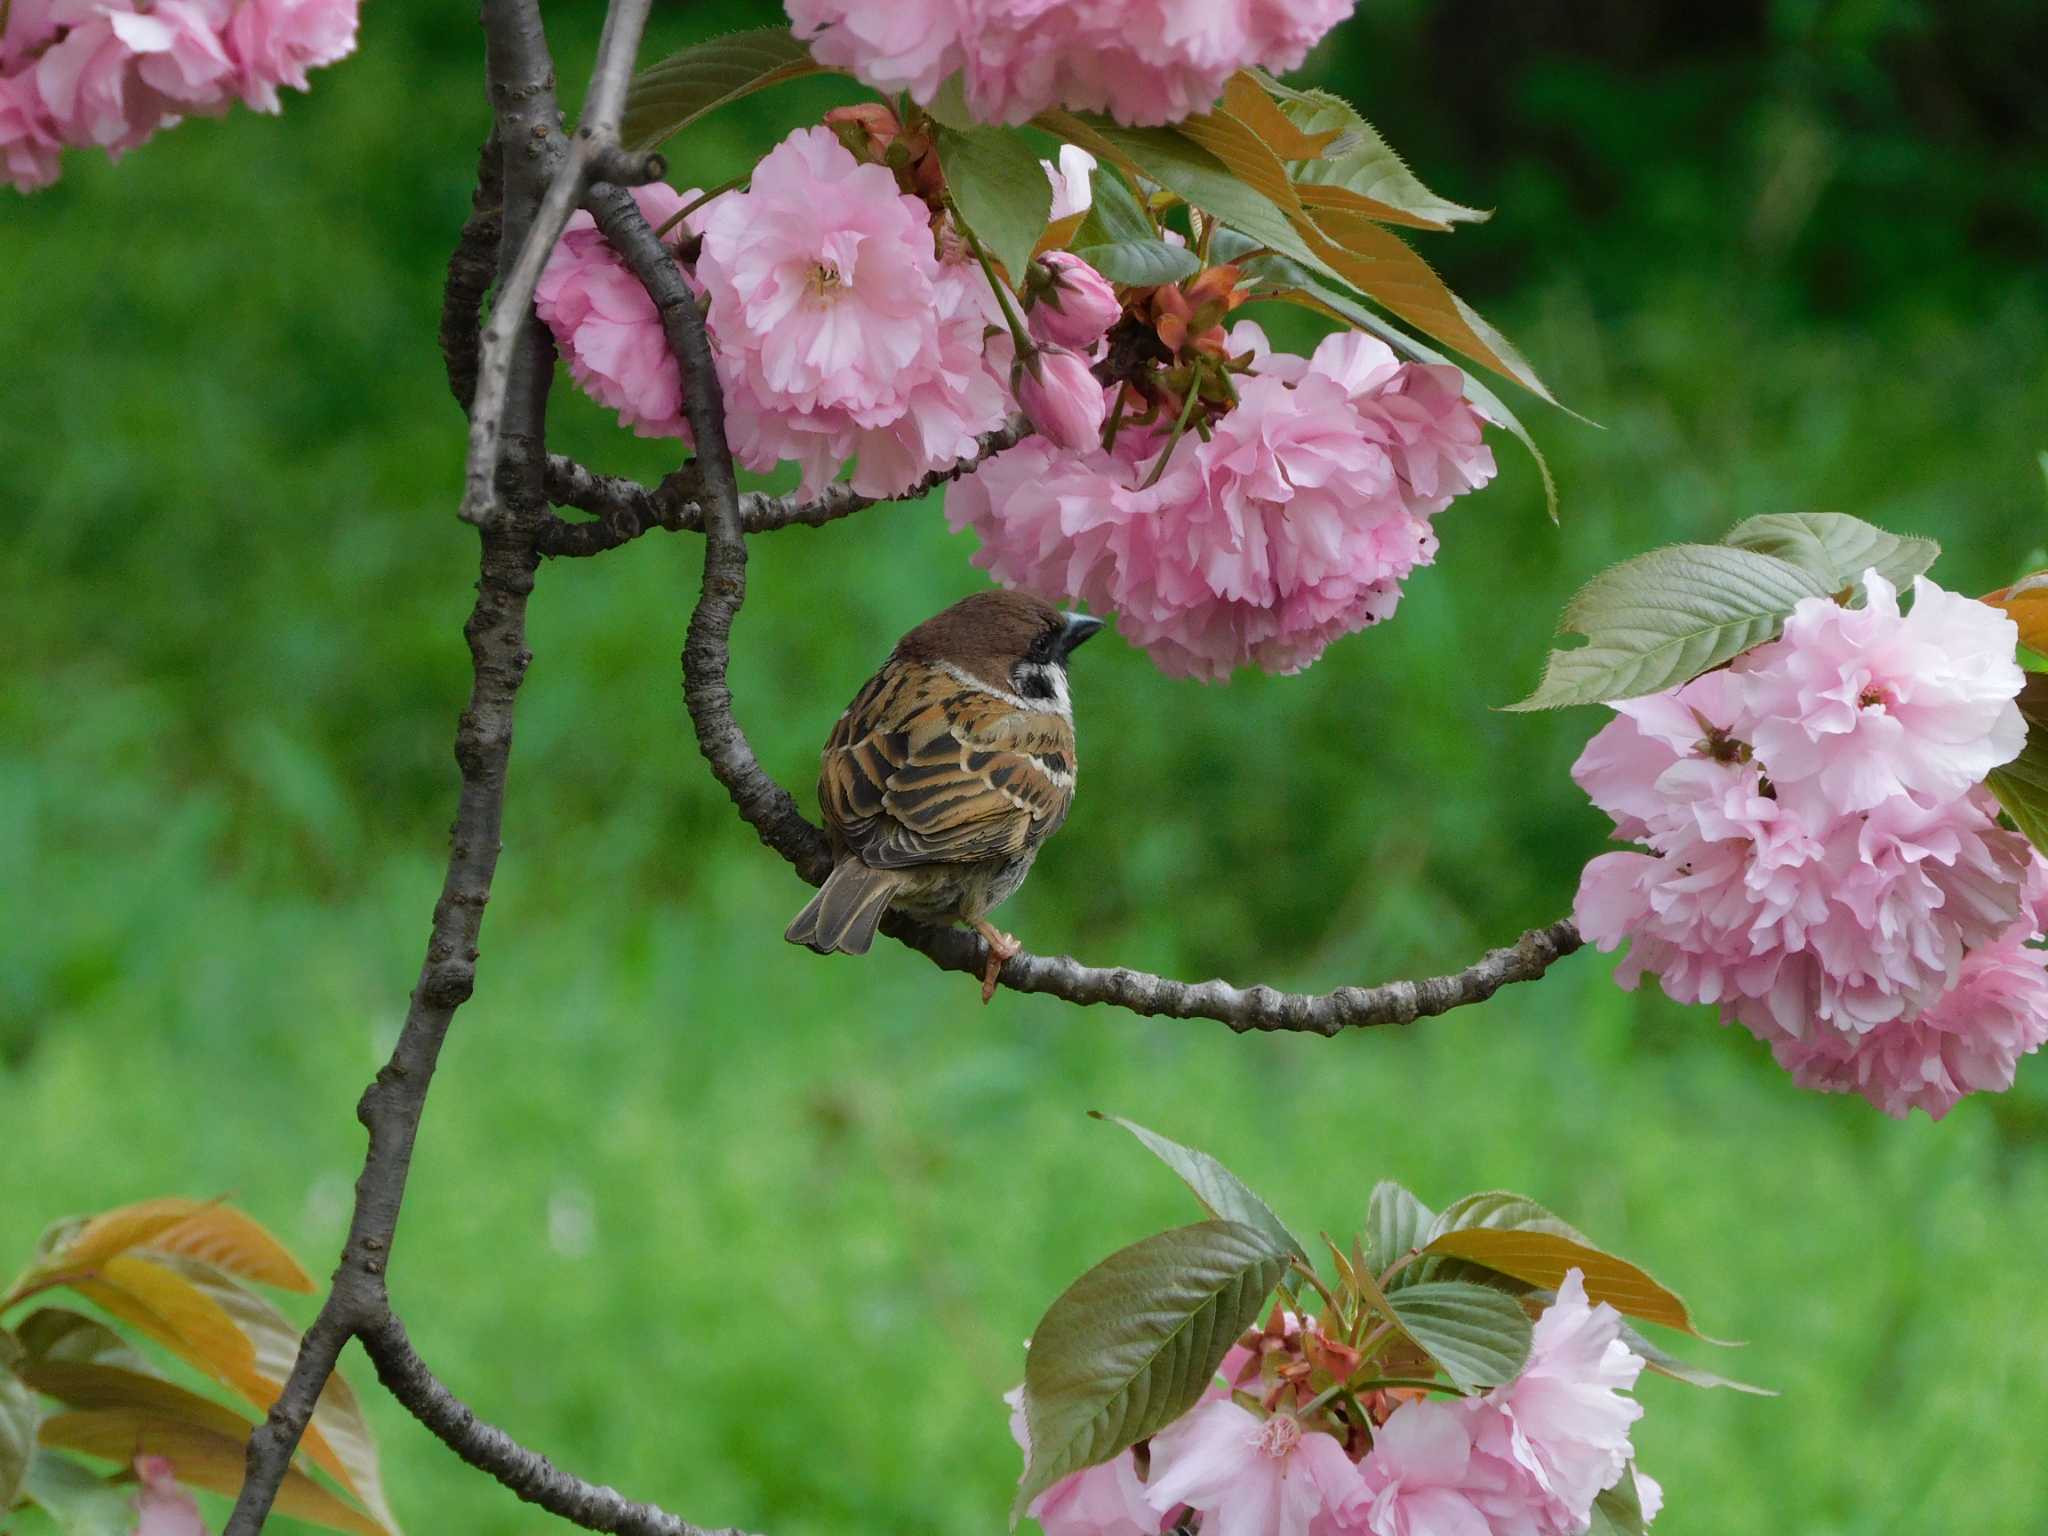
(1359, 170)
(1618, 1511)
(78, 1502)
(1502, 1210)
(1834, 547)
(999, 190)
(1664, 1363)
(203, 1458)
(1245, 99)
(1114, 216)
(1395, 1222)
(210, 1320)
(56, 1333)
(1140, 263)
(1222, 1193)
(1663, 618)
(1543, 1258)
(1132, 1344)
(1294, 284)
(1479, 1336)
(666, 97)
(19, 1412)
(2022, 784)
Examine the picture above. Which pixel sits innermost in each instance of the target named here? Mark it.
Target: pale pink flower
(89, 86)
(608, 329)
(275, 42)
(1062, 399)
(31, 24)
(162, 1507)
(1650, 1494)
(1250, 1476)
(1073, 185)
(1107, 1499)
(1293, 525)
(1142, 61)
(1563, 1419)
(1423, 1477)
(839, 332)
(1075, 305)
(1855, 705)
(178, 52)
(29, 143)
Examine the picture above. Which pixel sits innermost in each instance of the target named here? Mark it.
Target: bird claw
(1001, 947)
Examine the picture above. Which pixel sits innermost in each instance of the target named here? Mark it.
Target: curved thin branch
(626, 509)
(773, 814)
(489, 1449)
(471, 267)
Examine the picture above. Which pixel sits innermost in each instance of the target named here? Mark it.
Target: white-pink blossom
(1142, 61)
(29, 142)
(1423, 1477)
(1074, 305)
(1854, 706)
(607, 327)
(1062, 399)
(840, 333)
(1107, 1499)
(275, 43)
(1073, 184)
(1292, 525)
(1251, 1476)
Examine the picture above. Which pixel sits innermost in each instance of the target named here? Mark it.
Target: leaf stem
(1180, 428)
(699, 201)
(1011, 318)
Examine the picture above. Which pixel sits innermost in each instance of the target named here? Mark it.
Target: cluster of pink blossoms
(1293, 524)
(1527, 1459)
(844, 326)
(1823, 861)
(110, 73)
(1142, 61)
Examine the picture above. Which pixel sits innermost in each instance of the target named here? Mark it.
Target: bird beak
(1079, 627)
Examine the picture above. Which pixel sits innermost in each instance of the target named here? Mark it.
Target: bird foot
(1001, 946)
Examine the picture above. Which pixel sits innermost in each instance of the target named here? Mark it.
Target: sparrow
(947, 772)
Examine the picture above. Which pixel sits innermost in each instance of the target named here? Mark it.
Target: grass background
(759, 1236)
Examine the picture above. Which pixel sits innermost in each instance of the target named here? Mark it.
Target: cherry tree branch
(773, 814)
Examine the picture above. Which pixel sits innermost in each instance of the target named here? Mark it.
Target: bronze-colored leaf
(203, 1458)
(98, 1387)
(206, 1229)
(57, 1333)
(2025, 602)
(1542, 1258)
(1246, 100)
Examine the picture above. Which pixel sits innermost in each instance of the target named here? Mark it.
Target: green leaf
(667, 97)
(1619, 1510)
(1664, 618)
(19, 1414)
(1479, 1336)
(1140, 263)
(2022, 784)
(1501, 1210)
(1395, 1222)
(1131, 1345)
(1835, 548)
(1664, 1363)
(56, 1333)
(999, 190)
(1359, 162)
(1222, 1193)
(1114, 217)
(80, 1503)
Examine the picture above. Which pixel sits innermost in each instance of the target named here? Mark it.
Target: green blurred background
(759, 1235)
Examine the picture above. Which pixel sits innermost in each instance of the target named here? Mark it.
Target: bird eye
(1041, 648)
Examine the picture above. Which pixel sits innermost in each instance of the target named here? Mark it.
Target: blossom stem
(1180, 427)
(1116, 417)
(1011, 318)
(699, 201)
(1304, 1270)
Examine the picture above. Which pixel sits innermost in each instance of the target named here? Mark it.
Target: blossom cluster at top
(1526, 1459)
(1142, 61)
(110, 73)
(1822, 859)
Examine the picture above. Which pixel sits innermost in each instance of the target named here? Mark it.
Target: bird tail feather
(844, 913)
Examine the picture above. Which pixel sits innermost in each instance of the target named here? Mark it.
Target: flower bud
(1071, 304)
(1062, 398)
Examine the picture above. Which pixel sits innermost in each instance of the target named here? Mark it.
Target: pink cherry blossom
(1142, 61)
(1062, 399)
(1073, 186)
(1251, 1476)
(275, 42)
(1563, 1419)
(162, 1507)
(89, 86)
(1075, 306)
(1107, 1499)
(608, 329)
(840, 332)
(1292, 525)
(1423, 1477)
(178, 54)
(1855, 705)
(29, 143)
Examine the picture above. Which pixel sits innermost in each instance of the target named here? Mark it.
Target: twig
(628, 509)
(489, 1449)
(471, 266)
(770, 810)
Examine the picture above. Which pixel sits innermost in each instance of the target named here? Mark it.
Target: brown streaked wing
(959, 775)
